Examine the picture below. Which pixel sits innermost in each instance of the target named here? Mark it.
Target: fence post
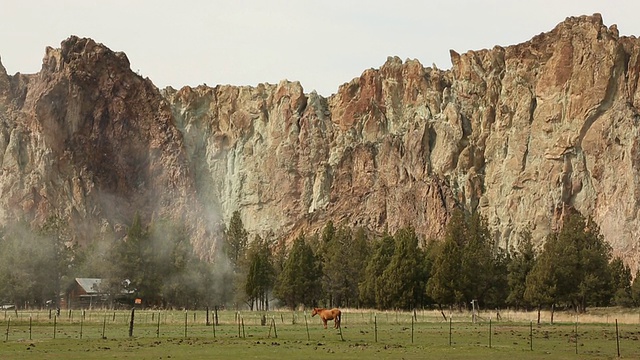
(489, 333)
(238, 322)
(450, 318)
(133, 313)
(412, 330)
(531, 335)
(81, 323)
(576, 330)
(7, 335)
(54, 326)
(29, 327)
(158, 326)
(275, 330)
(375, 326)
(185, 323)
(104, 325)
(617, 338)
(307, 325)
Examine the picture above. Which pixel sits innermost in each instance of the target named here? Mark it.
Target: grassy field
(364, 334)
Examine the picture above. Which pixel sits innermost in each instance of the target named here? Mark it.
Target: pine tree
(620, 283)
(35, 271)
(445, 286)
(236, 240)
(541, 284)
(127, 273)
(343, 256)
(404, 278)
(260, 277)
(372, 289)
(299, 281)
(635, 289)
(477, 265)
(519, 267)
(583, 256)
(573, 267)
(63, 261)
(357, 255)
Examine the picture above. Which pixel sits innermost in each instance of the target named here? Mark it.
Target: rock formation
(519, 133)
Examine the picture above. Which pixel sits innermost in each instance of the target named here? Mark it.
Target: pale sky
(322, 43)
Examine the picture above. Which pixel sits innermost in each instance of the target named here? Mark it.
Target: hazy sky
(322, 43)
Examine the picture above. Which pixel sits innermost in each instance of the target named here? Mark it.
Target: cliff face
(89, 141)
(519, 133)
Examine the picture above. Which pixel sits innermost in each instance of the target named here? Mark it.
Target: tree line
(338, 266)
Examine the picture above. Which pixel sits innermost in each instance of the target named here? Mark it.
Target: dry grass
(607, 315)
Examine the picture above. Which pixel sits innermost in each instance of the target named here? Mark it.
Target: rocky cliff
(519, 133)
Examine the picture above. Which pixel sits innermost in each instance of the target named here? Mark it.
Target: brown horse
(326, 314)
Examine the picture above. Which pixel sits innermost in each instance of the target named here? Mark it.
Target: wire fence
(586, 334)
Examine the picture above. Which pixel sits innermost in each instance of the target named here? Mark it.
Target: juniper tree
(540, 285)
(404, 277)
(620, 283)
(444, 285)
(573, 267)
(521, 264)
(372, 291)
(35, 264)
(260, 276)
(635, 289)
(236, 240)
(299, 281)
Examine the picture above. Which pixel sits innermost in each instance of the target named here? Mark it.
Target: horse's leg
(325, 322)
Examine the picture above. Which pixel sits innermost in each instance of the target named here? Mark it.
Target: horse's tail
(339, 317)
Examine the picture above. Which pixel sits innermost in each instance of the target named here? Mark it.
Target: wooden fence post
(531, 335)
(375, 327)
(185, 323)
(412, 330)
(489, 333)
(133, 314)
(450, 323)
(307, 325)
(617, 338)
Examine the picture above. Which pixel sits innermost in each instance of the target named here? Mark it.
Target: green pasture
(103, 334)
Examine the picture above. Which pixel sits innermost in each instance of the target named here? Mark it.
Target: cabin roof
(89, 285)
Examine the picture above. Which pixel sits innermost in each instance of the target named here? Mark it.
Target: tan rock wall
(518, 132)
